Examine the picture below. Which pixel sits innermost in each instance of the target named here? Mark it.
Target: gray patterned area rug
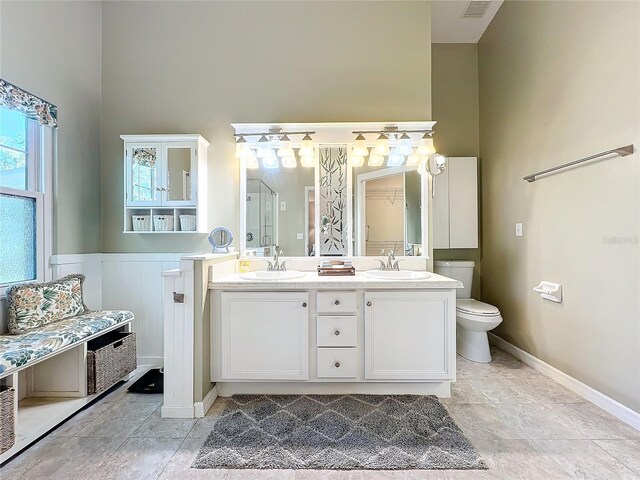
(344, 432)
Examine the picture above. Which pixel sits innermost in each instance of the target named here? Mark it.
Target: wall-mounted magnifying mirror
(220, 239)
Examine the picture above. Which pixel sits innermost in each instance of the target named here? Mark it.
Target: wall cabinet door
(409, 335)
(455, 205)
(144, 174)
(265, 336)
(180, 173)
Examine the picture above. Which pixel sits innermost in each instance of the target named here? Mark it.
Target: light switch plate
(518, 229)
(299, 236)
(283, 206)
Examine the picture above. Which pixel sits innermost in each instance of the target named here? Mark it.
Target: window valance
(31, 106)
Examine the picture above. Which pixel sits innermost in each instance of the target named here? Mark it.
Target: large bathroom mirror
(387, 211)
(279, 206)
(333, 202)
(179, 161)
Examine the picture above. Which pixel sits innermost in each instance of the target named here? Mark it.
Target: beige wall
(560, 81)
(52, 49)
(195, 67)
(455, 106)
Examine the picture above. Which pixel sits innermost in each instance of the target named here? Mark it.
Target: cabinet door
(143, 166)
(180, 174)
(265, 336)
(441, 209)
(410, 335)
(463, 202)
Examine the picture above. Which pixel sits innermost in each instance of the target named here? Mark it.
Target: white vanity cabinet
(268, 338)
(409, 335)
(165, 183)
(265, 336)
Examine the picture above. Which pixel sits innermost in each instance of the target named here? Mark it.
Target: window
(24, 217)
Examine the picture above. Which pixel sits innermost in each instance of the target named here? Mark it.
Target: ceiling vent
(476, 9)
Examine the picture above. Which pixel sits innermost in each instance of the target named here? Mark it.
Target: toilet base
(473, 346)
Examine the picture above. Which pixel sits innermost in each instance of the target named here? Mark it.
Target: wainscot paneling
(133, 282)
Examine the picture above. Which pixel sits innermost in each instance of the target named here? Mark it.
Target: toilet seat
(475, 308)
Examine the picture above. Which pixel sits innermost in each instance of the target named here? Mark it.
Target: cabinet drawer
(334, 331)
(337, 362)
(336, 302)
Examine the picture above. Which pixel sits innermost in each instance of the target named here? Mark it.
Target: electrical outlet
(283, 206)
(518, 229)
(299, 236)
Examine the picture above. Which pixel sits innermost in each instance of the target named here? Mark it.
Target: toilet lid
(474, 307)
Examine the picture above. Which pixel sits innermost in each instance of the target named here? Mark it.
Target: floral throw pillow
(32, 305)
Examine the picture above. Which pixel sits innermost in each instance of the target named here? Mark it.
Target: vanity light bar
(392, 132)
(272, 134)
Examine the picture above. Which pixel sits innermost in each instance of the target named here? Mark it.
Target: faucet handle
(382, 264)
(269, 265)
(395, 264)
(282, 266)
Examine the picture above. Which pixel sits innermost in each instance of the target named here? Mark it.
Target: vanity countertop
(311, 281)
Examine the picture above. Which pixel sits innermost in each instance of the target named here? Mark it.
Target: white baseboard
(201, 408)
(176, 412)
(155, 362)
(599, 399)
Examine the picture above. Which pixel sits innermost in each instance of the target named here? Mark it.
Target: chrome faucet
(392, 263)
(276, 266)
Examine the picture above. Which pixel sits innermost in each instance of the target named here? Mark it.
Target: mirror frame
(335, 134)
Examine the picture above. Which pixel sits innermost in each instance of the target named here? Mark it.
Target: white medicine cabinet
(165, 183)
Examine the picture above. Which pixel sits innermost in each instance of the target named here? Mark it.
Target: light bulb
(376, 160)
(285, 149)
(306, 146)
(270, 161)
(264, 147)
(425, 147)
(241, 147)
(395, 158)
(357, 160)
(382, 145)
(307, 160)
(289, 161)
(404, 145)
(413, 160)
(360, 146)
(251, 160)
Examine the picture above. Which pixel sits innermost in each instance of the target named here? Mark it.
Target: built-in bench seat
(17, 351)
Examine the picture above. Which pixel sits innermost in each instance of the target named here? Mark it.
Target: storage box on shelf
(110, 358)
(7, 418)
(165, 176)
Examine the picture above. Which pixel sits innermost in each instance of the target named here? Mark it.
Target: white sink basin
(397, 274)
(266, 276)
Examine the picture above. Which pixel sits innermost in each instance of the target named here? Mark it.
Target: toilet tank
(459, 270)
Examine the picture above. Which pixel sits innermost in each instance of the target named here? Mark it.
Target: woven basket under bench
(110, 358)
(7, 420)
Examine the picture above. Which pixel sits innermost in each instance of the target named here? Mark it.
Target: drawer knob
(337, 332)
(337, 364)
(337, 302)
(304, 304)
(369, 303)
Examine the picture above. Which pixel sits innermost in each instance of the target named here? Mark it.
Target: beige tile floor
(524, 425)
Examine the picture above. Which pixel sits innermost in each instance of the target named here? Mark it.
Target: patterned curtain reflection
(145, 157)
(28, 104)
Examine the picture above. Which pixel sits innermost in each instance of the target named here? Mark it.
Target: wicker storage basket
(188, 223)
(7, 420)
(110, 358)
(141, 223)
(163, 223)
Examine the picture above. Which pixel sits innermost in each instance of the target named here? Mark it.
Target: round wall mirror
(220, 238)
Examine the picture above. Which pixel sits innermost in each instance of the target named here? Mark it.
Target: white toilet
(473, 318)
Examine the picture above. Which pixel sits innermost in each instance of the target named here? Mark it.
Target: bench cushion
(18, 350)
(33, 305)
